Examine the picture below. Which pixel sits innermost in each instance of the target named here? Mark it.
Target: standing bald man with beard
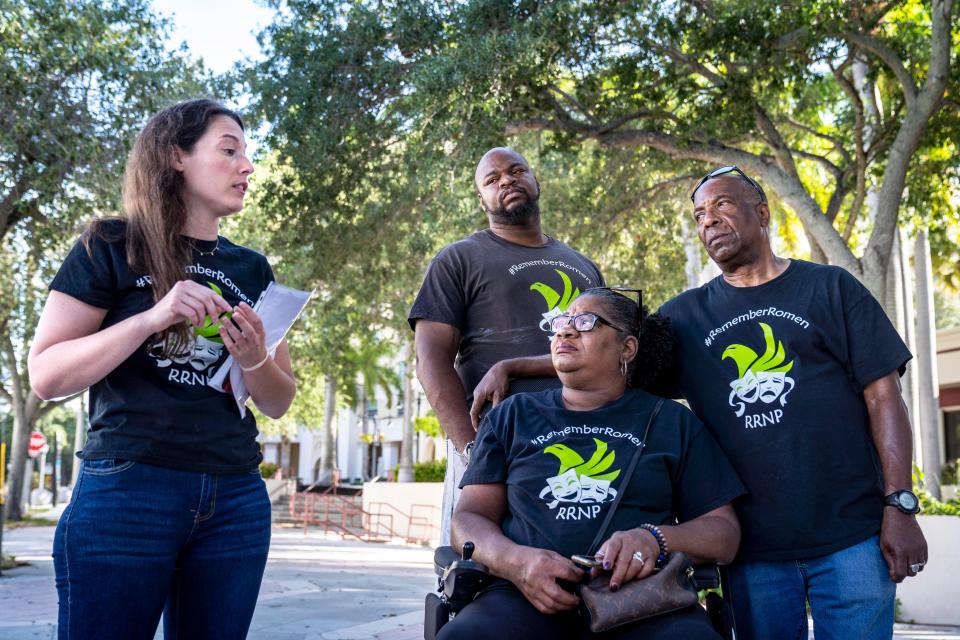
(488, 297)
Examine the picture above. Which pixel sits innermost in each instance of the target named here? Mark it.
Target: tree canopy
(378, 111)
(78, 78)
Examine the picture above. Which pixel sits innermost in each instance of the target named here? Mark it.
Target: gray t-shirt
(501, 296)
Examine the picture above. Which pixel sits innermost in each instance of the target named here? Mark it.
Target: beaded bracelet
(661, 542)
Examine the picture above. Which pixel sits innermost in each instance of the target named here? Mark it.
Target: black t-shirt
(777, 373)
(563, 468)
(155, 410)
(501, 296)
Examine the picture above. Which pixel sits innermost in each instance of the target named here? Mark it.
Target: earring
(623, 367)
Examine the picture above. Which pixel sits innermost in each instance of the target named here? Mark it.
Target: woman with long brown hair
(169, 513)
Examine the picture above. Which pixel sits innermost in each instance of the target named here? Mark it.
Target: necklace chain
(208, 253)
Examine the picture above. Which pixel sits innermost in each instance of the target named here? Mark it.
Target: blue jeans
(850, 593)
(138, 540)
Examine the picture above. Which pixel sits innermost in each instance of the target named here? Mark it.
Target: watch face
(907, 500)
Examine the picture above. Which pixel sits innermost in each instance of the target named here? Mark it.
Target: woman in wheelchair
(546, 467)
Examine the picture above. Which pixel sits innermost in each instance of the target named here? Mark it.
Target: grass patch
(29, 521)
(11, 562)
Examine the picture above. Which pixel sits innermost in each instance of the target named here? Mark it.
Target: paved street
(315, 588)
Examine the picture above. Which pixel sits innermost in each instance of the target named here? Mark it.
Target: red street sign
(37, 445)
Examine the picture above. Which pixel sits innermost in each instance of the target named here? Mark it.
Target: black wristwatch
(906, 501)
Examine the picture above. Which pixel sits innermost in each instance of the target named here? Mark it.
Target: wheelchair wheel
(436, 614)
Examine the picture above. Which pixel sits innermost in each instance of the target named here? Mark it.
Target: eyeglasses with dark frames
(722, 171)
(581, 322)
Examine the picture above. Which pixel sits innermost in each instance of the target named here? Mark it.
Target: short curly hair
(656, 342)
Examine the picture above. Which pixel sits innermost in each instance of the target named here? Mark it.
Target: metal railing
(343, 515)
(421, 519)
(331, 512)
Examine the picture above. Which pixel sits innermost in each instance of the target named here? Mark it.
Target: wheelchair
(460, 579)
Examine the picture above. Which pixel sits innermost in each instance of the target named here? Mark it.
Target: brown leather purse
(669, 589)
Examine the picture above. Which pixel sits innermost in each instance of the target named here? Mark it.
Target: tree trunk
(328, 457)
(369, 462)
(926, 365)
(79, 438)
(911, 390)
(27, 409)
(22, 427)
(891, 297)
(816, 253)
(285, 462)
(897, 302)
(55, 475)
(405, 472)
(921, 105)
(878, 278)
(691, 248)
(25, 406)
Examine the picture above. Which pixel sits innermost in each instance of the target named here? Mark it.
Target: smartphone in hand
(588, 562)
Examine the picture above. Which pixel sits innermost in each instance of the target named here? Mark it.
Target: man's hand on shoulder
(492, 388)
(902, 543)
(494, 385)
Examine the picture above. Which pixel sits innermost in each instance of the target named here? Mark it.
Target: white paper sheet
(278, 308)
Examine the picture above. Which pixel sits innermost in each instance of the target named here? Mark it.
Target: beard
(521, 214)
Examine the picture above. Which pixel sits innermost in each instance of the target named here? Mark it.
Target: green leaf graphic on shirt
(210, 329)
(747, 359)
(554, 299)
(760, 379)
(592, 468)
(568, 457)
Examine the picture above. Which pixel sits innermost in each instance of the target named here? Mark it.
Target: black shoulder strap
(626, 480)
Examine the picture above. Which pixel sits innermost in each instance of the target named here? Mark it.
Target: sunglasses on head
(722, 171)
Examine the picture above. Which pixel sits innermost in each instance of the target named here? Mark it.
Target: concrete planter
(931, 596)
(276, 488)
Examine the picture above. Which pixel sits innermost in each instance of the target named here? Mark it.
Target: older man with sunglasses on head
(794, 368)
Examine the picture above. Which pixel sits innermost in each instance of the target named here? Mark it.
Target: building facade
(948, 370)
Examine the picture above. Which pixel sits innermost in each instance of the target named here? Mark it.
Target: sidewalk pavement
(316, 587)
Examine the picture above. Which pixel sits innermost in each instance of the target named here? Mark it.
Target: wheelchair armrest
(460, 579)
(443, 557)
(706, 576)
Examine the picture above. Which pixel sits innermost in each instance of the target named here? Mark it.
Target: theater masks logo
(762, 383)
(195, 362)
(580, 486)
